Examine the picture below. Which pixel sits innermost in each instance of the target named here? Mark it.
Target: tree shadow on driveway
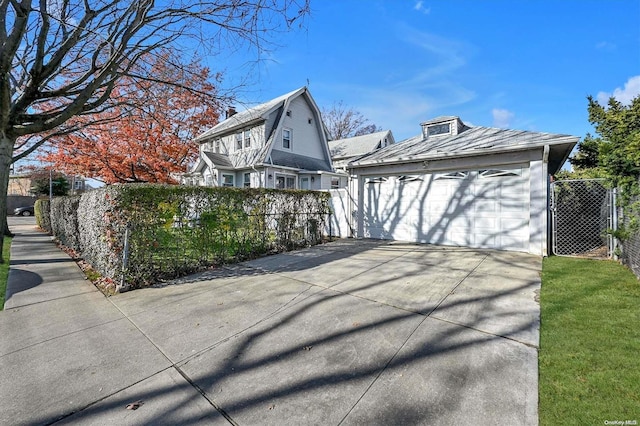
(326, 356)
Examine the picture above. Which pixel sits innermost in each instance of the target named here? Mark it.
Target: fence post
(613, 212)
(125, 261)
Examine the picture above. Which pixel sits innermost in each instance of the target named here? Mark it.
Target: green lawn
(589, 342)
(4, 270)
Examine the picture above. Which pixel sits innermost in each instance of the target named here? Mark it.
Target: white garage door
(472, 208)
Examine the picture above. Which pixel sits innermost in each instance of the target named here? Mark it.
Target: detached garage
(459, 185)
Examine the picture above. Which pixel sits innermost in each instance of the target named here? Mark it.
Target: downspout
(350, 204)
(547, 213)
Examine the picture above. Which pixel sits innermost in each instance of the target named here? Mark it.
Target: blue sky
(518, 64)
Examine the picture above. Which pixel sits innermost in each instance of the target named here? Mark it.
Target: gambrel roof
(471, 141)
(255, 114)
(271, 113)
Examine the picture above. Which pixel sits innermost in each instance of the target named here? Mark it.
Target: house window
(247, 180)
(227, 180)
(453, 175)
(208, 180)
(238, 141)
(285, 182)
(406, 178)
(439, 129)
(497, 172)
(374, 180)
(286, 138)
(217, 143)
(335, 182)
(247, 138)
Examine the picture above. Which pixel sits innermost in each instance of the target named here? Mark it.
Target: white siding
(306, 139)
(342, 207)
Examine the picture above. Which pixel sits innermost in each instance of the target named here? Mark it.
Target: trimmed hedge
(42, 212)
(64, 221)
(176, 230)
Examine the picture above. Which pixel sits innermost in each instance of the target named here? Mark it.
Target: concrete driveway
(351, 332)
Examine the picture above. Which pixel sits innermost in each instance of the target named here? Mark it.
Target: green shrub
(175, 230)
(42, 209)
(64, 221)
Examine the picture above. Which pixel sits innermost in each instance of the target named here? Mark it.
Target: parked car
(23, 211)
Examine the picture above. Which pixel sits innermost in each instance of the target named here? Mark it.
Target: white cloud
(420, 7)
(502, 117)
(436, 56)
(605, 45)
(409, 93)
(625, 95)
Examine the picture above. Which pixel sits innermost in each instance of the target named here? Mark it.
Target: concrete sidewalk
(353, 332)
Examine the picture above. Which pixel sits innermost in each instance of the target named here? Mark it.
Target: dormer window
(439, 129)
(442, 126)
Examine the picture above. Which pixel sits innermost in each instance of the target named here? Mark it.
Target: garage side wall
(538, 208)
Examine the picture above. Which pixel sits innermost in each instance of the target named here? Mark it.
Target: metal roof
(281, 158)
(471, 141)
(441, 119)
(358, 145)
(219, 160)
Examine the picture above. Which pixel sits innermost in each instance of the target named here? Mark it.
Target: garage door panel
(484, 223)
(486, 191)
(514, 226)
(515, 206)
(469, 210)
(459, 239)
(485, 206)
(485, 240)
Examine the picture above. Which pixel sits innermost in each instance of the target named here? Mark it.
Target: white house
(345, 150)
(458, 185)
(278, 144)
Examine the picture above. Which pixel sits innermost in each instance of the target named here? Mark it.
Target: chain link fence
(631, 253)
(631, 246)
(583, 212)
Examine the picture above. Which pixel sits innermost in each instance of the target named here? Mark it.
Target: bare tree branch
(343, 122)
(63, 58)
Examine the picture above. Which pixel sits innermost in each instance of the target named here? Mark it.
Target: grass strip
(4, 270)
(589, 343)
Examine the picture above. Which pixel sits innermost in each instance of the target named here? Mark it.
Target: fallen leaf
(134, 405)
(272, 406)
(307, 348)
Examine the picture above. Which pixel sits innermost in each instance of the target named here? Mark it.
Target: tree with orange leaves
(147, 135)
